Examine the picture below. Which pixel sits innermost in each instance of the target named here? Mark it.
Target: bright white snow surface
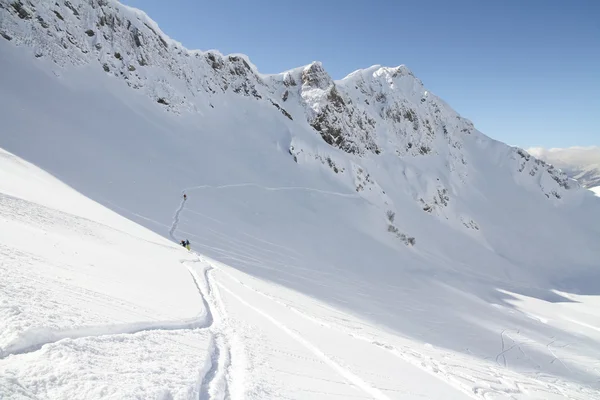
(95, 306)
(295, 287)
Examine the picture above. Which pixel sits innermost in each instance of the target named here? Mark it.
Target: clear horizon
(525, 73)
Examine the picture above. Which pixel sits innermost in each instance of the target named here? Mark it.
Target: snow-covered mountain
(381, 218)
(580, 163)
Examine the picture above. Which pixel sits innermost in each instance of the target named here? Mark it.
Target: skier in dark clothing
(184, 196)
(182, 243)
(187, 244)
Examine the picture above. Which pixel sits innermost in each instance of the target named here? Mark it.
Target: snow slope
(97, 307)
(581, 163)
(364, 239)
(92, 305)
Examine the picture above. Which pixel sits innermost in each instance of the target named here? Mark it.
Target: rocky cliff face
(374, 115)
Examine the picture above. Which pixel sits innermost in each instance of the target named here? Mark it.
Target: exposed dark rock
(43, 23)
(335, 98)
(315, 76)
(137, 37)
(70, 7)
(21, 10)
(215, 62)
(160, 38)
(288, 80)
(283, 111)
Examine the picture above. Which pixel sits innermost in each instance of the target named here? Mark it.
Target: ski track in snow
(214, 384)
(275, 189)
(176, 220)
(341, 370)
(211, 385)
(35, 339)
(347, 374)
(447, 373)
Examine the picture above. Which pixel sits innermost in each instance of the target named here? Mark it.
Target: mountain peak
(371, 111)
(379, 70)
(315, 76)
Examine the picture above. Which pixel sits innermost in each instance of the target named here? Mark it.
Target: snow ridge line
(176, 220)
(274, 189)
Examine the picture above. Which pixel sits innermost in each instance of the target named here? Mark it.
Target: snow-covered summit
(372, 111)
(374, 116)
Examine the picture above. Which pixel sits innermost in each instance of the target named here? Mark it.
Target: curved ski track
(41, 337)
(214, 383)
(213, 380)
(175, 223)
(211, 385)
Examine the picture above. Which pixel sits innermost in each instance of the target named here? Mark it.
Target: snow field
(300, 285)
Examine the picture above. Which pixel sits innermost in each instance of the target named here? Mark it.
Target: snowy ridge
(375, 110)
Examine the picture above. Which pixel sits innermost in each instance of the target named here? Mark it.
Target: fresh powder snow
(350, 239)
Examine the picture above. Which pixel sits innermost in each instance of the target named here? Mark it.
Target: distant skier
(183, 243)
(184, 197)
(187, 244)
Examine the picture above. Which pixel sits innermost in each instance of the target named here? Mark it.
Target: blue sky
(526, 72)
